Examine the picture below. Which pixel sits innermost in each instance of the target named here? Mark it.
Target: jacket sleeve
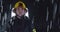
(30, 26)
(9, 26)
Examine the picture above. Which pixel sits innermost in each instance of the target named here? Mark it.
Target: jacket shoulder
(11, 22)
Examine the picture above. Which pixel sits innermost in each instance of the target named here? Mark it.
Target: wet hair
(15, 10)
(20, 4)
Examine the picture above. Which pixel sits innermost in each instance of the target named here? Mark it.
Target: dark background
(44, 13)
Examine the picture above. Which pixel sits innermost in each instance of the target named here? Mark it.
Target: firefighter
(19, 23)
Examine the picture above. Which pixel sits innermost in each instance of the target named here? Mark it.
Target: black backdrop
(43, 12)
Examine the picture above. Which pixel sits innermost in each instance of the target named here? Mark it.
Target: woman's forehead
(20, 7)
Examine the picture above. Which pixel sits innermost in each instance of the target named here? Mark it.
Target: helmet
(20, 4)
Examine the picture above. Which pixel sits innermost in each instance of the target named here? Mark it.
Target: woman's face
(20, 11)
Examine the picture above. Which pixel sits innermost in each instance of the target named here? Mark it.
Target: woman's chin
(20, 15)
